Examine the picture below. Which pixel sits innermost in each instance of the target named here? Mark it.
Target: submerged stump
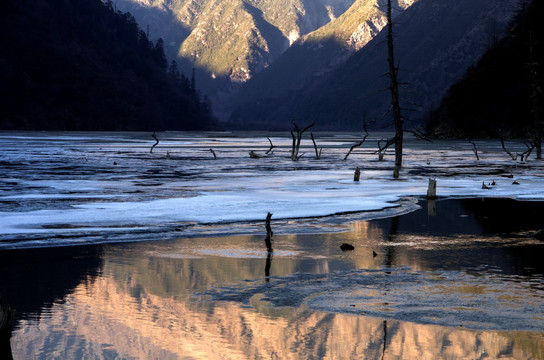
(431, 190)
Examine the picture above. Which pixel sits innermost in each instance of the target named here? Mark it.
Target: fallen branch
(155, 144)
(254, 155)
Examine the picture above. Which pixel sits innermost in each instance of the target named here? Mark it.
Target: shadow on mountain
(433, 53)
(277, 43)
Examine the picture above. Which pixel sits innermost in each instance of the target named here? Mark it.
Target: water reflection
(154, 300)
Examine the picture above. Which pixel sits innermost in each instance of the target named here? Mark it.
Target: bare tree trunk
(317, 153)
(296, 140)
(359, 143)
(538, 122)
(269, 233)
(213, 153)
(394, 86)
(474, 149)
(155, 144)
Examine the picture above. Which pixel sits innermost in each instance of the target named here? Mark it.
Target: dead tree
(155, 144)
(394, 86)
(317, 153)
(268, 242)
(296, 140)
(535, 96)
(213, 153)
(524, 156)
(359, 143)
(474, 149)
(382, 149)
(272, 146)
(269, 233)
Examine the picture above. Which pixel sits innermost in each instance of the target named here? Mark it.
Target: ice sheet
(92, 187)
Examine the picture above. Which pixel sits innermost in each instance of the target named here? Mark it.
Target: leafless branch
(155, 144)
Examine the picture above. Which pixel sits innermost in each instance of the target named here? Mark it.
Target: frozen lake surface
(81, 188)
(171, 261)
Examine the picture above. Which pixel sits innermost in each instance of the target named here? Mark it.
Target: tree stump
(431, 190)
(357, 174)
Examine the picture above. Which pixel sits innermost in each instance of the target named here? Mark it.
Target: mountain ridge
(432, 54)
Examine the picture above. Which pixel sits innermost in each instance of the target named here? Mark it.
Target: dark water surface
(457, 279)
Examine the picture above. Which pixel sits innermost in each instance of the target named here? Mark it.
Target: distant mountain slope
(233, 39)
(435, 42)
(496, 97)
(321, 51)
(78, 65)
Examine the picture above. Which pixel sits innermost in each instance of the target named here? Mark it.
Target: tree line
(501, 96)
(82, 65)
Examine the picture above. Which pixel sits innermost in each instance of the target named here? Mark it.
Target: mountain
(230, 40)
(321, 51)
(435, 41)
(499, 95)
(79, 65)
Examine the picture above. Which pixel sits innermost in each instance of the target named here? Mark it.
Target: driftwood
(155, 144)
(254, 155)
(317, 154)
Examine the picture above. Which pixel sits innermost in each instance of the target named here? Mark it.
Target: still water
(457, 279)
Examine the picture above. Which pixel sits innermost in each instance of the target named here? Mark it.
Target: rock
(346, 247)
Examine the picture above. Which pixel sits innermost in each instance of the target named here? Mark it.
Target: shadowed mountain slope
(435, 41)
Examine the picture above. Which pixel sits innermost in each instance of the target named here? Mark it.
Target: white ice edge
(306, 195)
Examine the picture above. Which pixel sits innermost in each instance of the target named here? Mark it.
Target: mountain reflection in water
(168, 299)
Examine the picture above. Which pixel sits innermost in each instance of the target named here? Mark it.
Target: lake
(111, 251)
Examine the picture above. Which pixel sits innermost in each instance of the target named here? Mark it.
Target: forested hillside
(80, 65)
(502, 94)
